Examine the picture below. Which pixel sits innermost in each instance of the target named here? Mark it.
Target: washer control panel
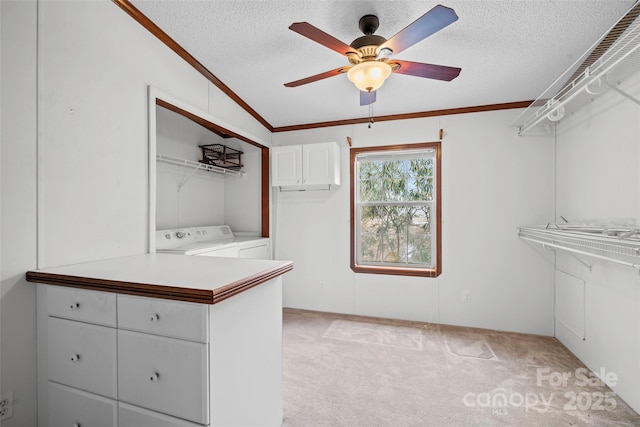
(180, 237)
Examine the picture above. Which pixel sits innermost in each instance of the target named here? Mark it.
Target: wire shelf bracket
(625, 94)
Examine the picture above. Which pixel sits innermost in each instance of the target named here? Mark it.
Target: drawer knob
(75, 357)
(155, 317)
(74, 306)
(76, 425)
(155, 377)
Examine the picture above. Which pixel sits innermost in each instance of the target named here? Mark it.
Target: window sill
(396, 271)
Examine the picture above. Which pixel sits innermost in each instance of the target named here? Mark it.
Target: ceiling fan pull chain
(370, 109)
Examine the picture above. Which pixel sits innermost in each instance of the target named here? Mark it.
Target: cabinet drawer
(82, 355)
(162, 317)
(164, 374)
(70, 407)
(78, 304)
(132, 416)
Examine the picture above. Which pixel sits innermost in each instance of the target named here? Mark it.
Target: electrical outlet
(6, 405)
(466, 296)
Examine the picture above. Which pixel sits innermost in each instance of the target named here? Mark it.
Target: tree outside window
(395, 209)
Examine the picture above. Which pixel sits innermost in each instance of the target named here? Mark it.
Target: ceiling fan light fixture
(369, 75)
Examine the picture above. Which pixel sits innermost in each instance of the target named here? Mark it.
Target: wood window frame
(393, 270)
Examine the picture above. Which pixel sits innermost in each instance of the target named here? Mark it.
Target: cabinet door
(286, 166)
(164, 374)
(317, 164)
(69, 407)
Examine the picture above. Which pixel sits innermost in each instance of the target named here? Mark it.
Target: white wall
(492, 182)
(184, 198)
(89, 145)
(598, 178)
(243, 196)
(18, 208)
(94, 127)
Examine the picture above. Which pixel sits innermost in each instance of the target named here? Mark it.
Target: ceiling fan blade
(367, 98)
(317, 77)
(319, 36)
(429, 71)
(428, 24)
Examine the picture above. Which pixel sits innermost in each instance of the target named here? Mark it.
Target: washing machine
(215, 240)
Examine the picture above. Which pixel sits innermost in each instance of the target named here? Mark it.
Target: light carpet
(342, 370)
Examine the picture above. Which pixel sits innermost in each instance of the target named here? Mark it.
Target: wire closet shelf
(616, 64)
(197, 166)
(619, 244)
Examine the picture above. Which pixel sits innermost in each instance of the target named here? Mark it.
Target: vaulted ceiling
(509, 51)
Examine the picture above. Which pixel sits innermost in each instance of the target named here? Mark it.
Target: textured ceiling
(509, 51)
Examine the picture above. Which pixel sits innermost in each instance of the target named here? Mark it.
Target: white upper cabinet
(286, 165)
(306, 167)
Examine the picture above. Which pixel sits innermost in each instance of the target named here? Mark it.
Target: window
(395, 210)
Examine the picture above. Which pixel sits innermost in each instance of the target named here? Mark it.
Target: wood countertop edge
(249, 282)
(200, 296)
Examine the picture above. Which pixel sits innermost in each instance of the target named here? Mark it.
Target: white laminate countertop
(188, 278)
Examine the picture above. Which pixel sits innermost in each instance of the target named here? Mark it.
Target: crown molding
(405, 116)
(143, 20)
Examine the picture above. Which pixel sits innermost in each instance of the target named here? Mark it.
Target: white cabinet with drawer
(134, 416)
(82, 305)
(175, 319)
(133, 361)
(81, 348)
(83, 356)
(70, 407)
(167, 375)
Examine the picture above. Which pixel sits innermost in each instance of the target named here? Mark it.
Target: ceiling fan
(370, 55)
